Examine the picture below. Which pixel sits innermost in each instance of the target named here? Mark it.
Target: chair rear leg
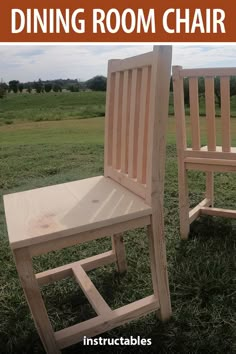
(183, 203)
(210, 187)
(118, 247)
(157, 250)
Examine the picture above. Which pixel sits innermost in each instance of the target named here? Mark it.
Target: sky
(48, 62)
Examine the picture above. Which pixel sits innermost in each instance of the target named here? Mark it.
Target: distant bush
(38, 86)
(74, 88)
(57, 88)
(97, 83)
(48, 87)
(14, 86)
(3, 90)
(21, 87)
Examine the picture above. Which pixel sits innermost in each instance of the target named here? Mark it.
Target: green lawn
(51, 106)
(201, 270)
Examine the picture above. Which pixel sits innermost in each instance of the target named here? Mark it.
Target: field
(51, 106)
(201, 270)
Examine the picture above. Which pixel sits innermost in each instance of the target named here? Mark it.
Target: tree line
(97, 83)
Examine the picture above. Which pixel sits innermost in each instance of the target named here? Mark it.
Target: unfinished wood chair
(128, 196)
(209, 158)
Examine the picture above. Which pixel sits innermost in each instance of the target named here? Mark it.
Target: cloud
(31, 62)
(204, 56)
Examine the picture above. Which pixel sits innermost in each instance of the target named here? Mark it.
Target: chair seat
(38, 215)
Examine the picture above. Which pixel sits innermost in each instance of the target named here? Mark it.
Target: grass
(51, 106)
(201, 270)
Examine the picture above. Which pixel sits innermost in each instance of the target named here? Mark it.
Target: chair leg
(183, 203)
(119, 249)
(210, 187)
(157, 250)
(35, 301)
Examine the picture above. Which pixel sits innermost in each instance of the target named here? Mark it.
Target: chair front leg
(35, 301)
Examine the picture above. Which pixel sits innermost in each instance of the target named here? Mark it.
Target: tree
(39, 86)
(201, 86)
(186, 92)
(48, 87)
(233, 86)
(97, 83)
(14, 86)
(74, 88)
(57, 88)
(171, 84)
(28, 88)
(3, 89)
(217, 91)
(21, 87)
(217, 88)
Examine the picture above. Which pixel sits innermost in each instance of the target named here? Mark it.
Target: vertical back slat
(146, 128)
(119, 132)
(115, 120)
(225, 113)
(178, 85)
(109, 118)
(134, 122)
(137, 120)
(116, 141)
(125, 120)
(194, 113)
(210, 113)
(142, 126)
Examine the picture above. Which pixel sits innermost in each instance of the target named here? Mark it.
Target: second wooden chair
(200, 156)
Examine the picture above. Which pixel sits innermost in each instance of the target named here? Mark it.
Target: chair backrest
(136, 117)
(209, 76)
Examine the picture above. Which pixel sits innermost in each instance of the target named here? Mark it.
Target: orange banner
(117, 21)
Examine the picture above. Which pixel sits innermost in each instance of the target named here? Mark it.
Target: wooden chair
(128, 196)
(209, 158)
